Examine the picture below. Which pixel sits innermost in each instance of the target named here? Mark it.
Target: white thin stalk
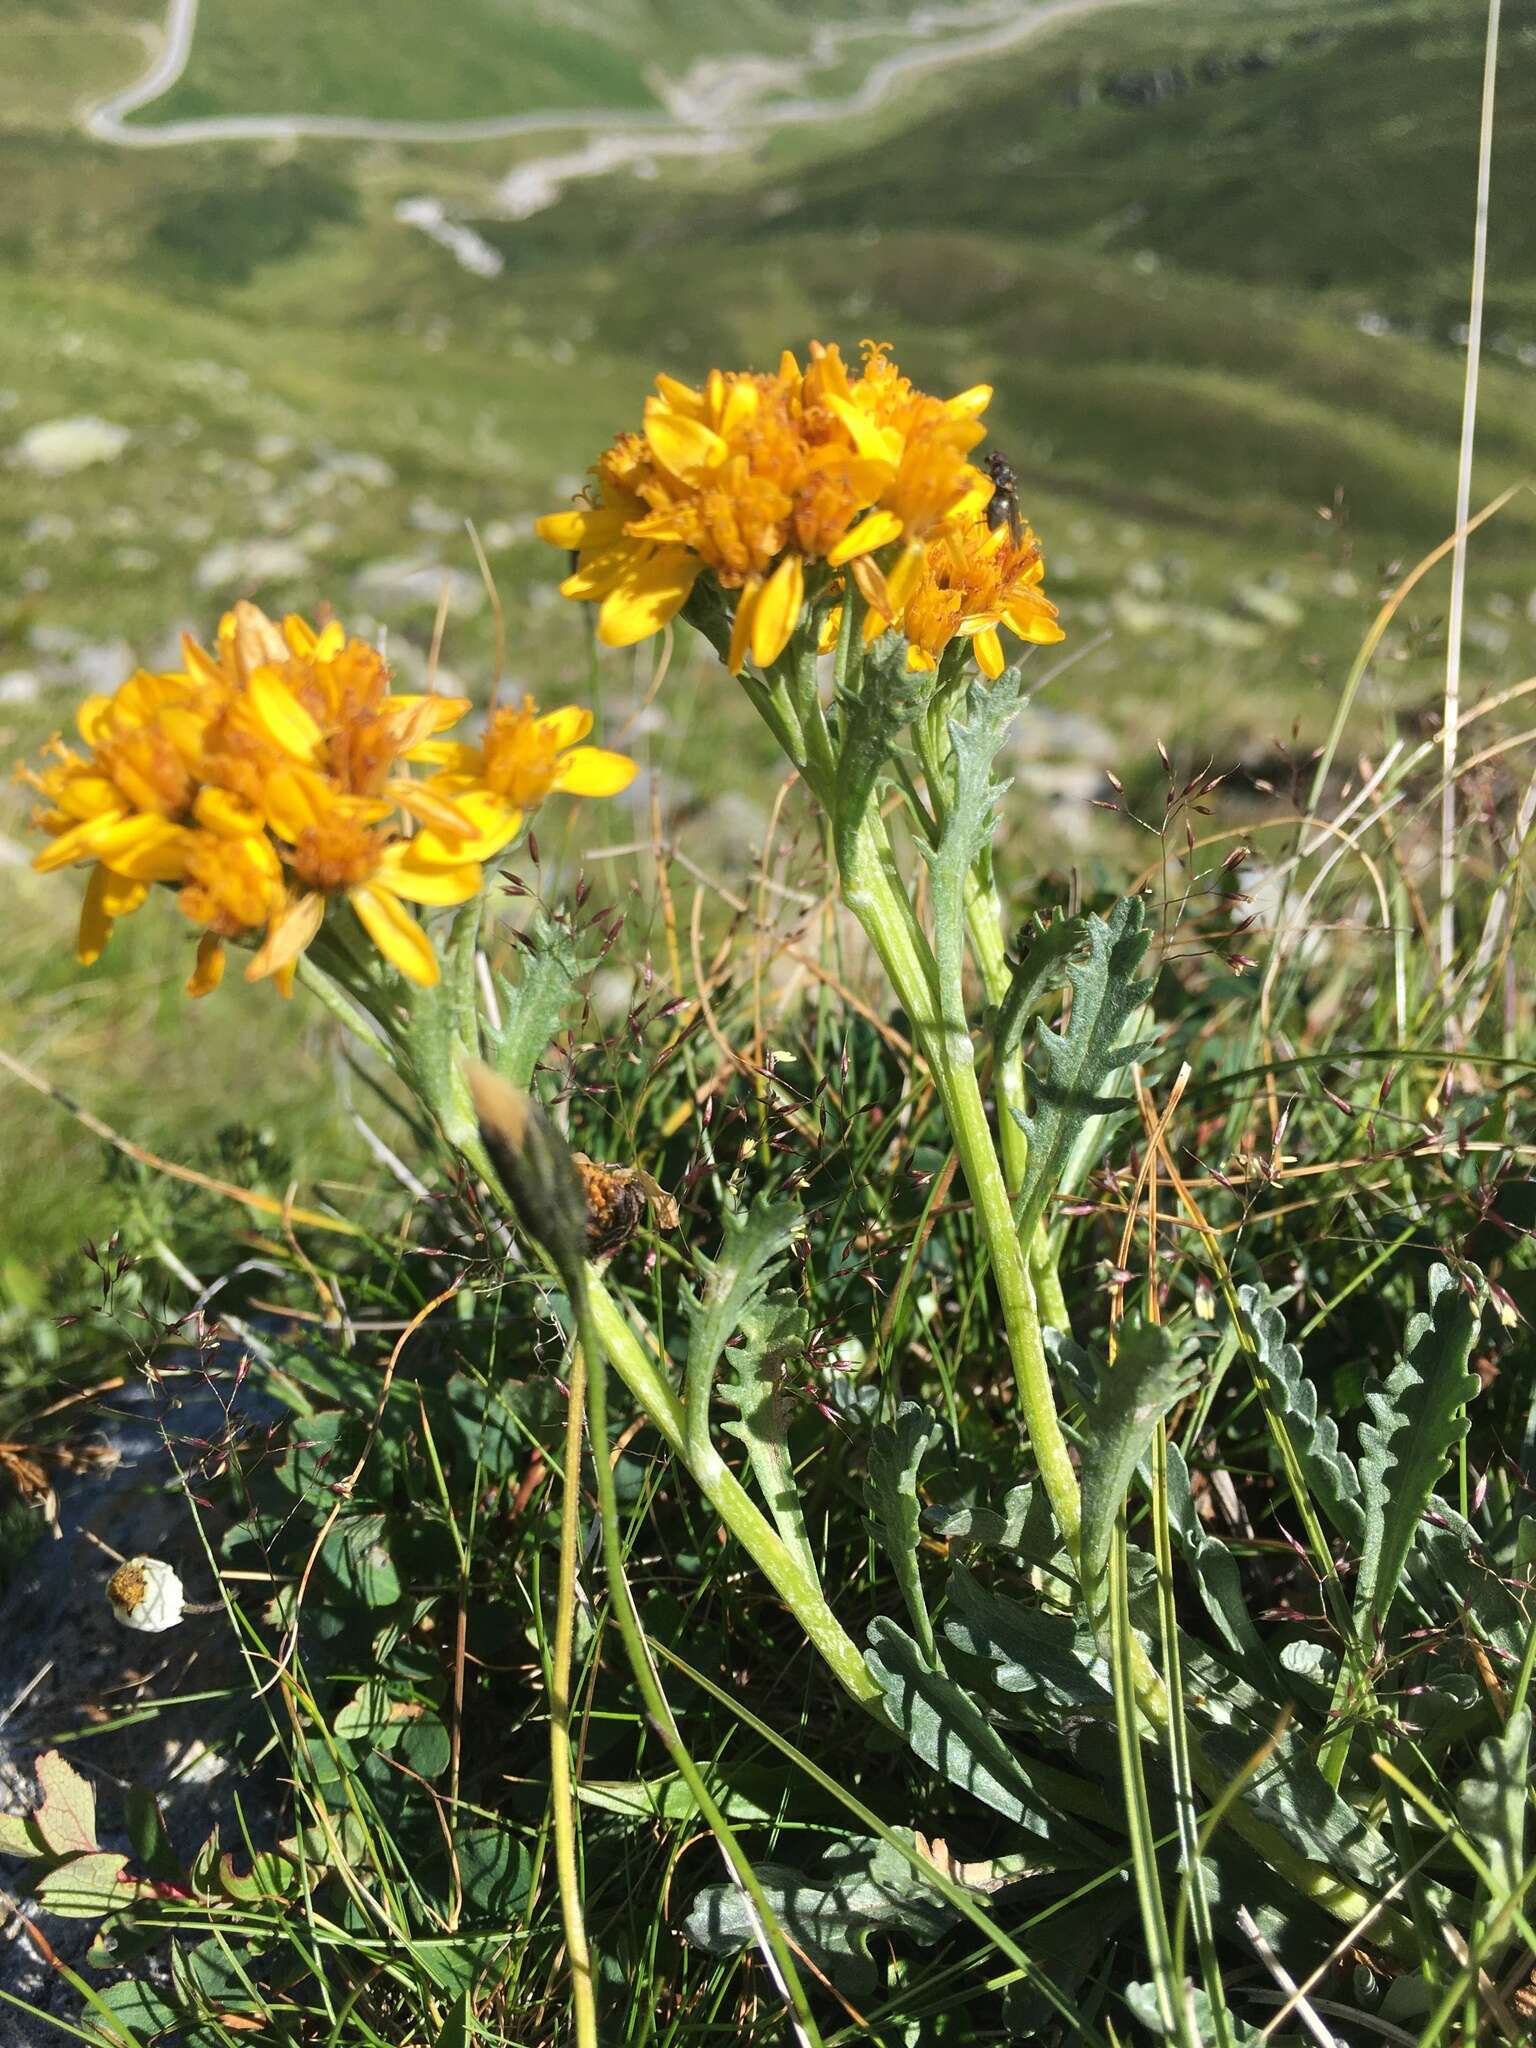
(1452, 719)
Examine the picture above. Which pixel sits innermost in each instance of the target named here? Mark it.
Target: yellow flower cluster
(758, 478)
(272, 777)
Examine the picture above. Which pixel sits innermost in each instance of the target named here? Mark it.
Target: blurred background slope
(1212, 255)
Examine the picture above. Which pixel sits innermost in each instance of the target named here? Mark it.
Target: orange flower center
(522, 757)
(336, 853)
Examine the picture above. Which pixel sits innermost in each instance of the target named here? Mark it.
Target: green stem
(795, 1585)
(872, 892)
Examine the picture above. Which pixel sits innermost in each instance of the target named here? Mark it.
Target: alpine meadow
(766, 1242)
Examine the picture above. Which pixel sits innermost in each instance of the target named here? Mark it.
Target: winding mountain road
(722, 100)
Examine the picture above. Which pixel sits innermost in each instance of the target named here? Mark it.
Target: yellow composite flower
(524, 756)
(754, 478)
(972, 580)
(346, 850)
(121, 806)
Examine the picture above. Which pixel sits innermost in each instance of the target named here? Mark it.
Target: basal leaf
(896, 1452)
(1329, 1471)
(773, 1337)
(1071, 1068)
(1291, 1793)
(860, 1889)
(146, 1828)
(356, 1554)
(986, 1527)
(139, 2013)
(66, 1818)
(1418, 1417)
(19, 1836)
(756, 1241)
(1494, 1805)
(1152, 1372)
(943, 1725)
(1038, 1657)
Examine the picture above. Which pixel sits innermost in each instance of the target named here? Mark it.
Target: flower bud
(146, 1594)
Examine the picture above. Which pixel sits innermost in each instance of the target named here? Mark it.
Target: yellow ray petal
(404, 872)
(686, 447)
(145, 849)
(95, 920)
(594, 771)
(971, 403)
(741, 626)
(873, 531)
(80, 842)
(283, 718)
(396, 934)
(495, 824)
(457, 755)
(230, 816)
(989, 651)
(876, 444)
(287, 936)
(567, 725)
(589, 526)
(1039, 629)
(649, 594)
(778, 611)
(209, 970)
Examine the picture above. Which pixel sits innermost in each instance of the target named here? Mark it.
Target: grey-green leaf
(1071, 1069)
(536, 1005)
(1494, 1805)
(888, 695)
(1329, 1471)
(773, 1336)
(968, 819)
(1037, 1657)
(1418, 1417)
(1152, 1372)
(945, 1727)
(896, 1452)
(861, 1889)
(756, 1241)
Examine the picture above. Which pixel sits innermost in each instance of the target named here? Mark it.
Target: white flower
(146, 1594)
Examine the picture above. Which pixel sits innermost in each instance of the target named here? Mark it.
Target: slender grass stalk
(562, 1789)
(1453, 633)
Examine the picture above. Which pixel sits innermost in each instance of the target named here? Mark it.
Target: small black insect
(1004, 502)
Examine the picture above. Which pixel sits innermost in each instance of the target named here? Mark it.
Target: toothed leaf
(1071, 1069)
(1330, 1472)
(896, 1453)
(861, 1889)
(1494, 1802)
(968, 812)
(1418, 1417)
(1152, 1373)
